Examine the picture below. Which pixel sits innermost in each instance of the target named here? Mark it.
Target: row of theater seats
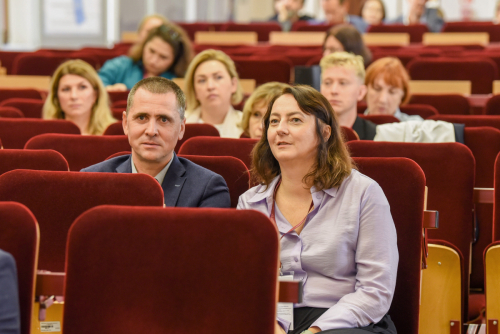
(121, 245)
(451, 170)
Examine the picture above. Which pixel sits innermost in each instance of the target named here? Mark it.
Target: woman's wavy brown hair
(333, 163)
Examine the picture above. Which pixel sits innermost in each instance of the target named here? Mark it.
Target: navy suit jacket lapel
(125, 167)
(173, 182)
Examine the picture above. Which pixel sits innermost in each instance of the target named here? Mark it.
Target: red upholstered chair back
(422, 110)
(348, 134)
(118, 96)
(19, 236)
(492, 106)
(233, 170)
(118, 154)
(449, 172)
(380, 119)
(492, 29)
(15, 133)
(470, 120)
(119, 104)
(403, 182)
(213, 146)
(10, 112)
(311, 27)
(480, 71)
(58, 198)
(45, 63)
(32, 159)
(416, 31)
(261, 28)
(445, 104)
(496, 211)
(80, 151)
(7, 58)
(114, 129)
(314, 60)
(31, 108)
(197, 130)
(264, 69)
(192, 28)
(207, 267)
(28, 93)
(484, 142)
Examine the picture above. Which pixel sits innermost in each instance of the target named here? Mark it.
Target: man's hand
(118, 87)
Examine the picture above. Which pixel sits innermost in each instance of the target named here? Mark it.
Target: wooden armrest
(431, 219)
(483, 195)
(49, 283)
(290, 292)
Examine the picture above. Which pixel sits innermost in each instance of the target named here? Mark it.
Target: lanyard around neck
(273, 212)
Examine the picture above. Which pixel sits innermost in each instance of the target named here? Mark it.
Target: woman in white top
(337, 232)
(212, 87)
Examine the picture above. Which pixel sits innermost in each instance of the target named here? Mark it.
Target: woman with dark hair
(165, 52)
(346, 38)
(337, 232)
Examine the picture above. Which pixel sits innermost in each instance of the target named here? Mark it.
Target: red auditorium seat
(470, 120)
(198, 130)
(445, 104)
(403, 182)
(348, 134)
(7, 59)
(492, 29)
(380, 119)
(416, 31)
(207, 271)
(484, 143)
(233, 170)
(16, 132)
(32, 159)
(114, 129)
(214, 146)
(44, 64)
(58, 198)
(118, 96)
(80, 151)
(422, 110)
(449, 172)
(118, 154)
(261, 28)
(10, 112)
(31, 108)
(19, 236)
(28, 93)
(192, 28)
(492, 106)
(314, 60)
(264, 69)
(480, 71)
(122, 104)
(306, 26)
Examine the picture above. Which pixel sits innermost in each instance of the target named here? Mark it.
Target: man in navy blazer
(154, 122)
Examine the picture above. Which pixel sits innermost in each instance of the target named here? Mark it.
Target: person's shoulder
(360, 181)
(107, 166)
(306, 18)
(119, 61)
(195, 169)
(6, 259)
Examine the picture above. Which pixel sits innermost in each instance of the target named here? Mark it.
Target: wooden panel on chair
(492, 269)
(496, 87)
(456, 38)
(441, 278)
(129, 36)
(461, 87)
(248, 85)
(25, 81)
(382, 38)
(225, 37)
(297, 38)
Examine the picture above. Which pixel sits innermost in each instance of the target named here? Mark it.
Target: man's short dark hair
(159, 85)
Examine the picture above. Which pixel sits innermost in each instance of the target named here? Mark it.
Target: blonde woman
(166, 52)
(256, 106)
(212, 87)
(77, 94)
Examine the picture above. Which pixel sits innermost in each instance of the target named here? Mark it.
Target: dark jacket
(365, 129)
(185, 184)
(9, 300)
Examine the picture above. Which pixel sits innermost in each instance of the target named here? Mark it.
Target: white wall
(24, 24)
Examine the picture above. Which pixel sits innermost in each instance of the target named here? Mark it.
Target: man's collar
(161, 175)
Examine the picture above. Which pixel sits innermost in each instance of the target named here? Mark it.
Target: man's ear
(183, 129)
(362, 92)
(125, 123)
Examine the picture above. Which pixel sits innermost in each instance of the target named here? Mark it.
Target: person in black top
(287, 13)
(342, 83)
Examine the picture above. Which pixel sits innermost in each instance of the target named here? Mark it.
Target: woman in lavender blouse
(338, 235)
